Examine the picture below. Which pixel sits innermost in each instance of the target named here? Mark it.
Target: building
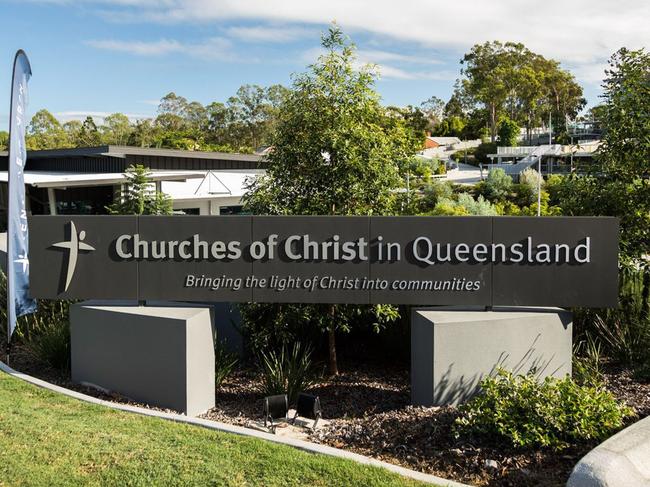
(552, 159)
(86, 180)
(435, 142)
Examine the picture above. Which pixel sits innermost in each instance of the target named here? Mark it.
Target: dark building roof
(115, 158)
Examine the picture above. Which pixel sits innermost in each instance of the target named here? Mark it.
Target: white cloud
(212, 48)
(141, 48)
(589, 72)
(580, 33)
(378, 56)
(390, 71)
(387, 71)
(271, 33)
(98, 117)
(583, 33)
(152, 102)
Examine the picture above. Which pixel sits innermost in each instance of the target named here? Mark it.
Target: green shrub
(552, 413)
(624, 333)
(465, 156)
(288, 371)
(586, 362)
(464, 204)
(46, 334)
(482, 151)
(497, 185)
(224, 361)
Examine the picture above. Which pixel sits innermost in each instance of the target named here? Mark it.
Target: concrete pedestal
(159, 355)
(453, 348)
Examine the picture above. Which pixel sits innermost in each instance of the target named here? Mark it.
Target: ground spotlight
(308, 406)
(275, 407)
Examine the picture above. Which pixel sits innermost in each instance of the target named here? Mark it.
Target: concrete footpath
(238, 430)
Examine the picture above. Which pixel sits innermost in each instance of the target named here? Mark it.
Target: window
(230, 210)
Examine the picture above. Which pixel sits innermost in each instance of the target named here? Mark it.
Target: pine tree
(139, 196)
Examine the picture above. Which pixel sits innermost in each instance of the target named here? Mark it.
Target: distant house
(435, 142)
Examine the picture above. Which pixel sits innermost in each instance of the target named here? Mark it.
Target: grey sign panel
(73, 257)
(217, 269)
(590, 279)
(313, 263)
(431, 269)
(319, 259)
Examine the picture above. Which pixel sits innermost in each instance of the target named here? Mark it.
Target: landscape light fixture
(275, 407)
(308, 406)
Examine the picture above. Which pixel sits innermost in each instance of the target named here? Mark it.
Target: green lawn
(48, 439)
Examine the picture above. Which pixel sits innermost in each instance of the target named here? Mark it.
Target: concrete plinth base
(453, 348)
(159, 355)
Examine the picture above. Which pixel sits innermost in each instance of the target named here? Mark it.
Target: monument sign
(486, 261)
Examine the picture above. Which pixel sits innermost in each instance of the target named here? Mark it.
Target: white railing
(532, 158)
(516, 151)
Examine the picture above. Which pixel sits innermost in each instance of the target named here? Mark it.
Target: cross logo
(24, 260)
(74, 246)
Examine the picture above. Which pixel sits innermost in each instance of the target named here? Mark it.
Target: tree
(415, 121)
(452, 126)
(434, 110)
(45, 132)
(507, 78)
(336, 152)
(485, 75)
(139, 196)
(619, 183)
(142, 134)
(508, 132)
(4, 139)
(72, 129)
(252, 113)
(624, 159)
(116, 129)
(88, 135)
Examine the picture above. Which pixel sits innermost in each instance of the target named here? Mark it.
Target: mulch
(368, 409)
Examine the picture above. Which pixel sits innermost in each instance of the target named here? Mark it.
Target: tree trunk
(493, 122)
(331, 329)
(331, 342)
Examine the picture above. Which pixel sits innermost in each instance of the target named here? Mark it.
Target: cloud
(152, 102)
(387, 71)
(583, 33)
(212, 48)
(378, 56)
(98, 116)
(279, 34)
(590, 72)
(155, 48)
(390, 71)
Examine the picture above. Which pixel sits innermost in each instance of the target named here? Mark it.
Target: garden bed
(368, 410)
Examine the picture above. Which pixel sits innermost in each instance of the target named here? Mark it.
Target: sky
(95, 57)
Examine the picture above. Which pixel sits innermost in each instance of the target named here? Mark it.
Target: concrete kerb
(238, 430)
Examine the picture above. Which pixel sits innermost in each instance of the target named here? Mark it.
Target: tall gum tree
(507, 78)
(336, 151)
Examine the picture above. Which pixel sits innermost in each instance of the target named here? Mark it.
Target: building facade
(85, 180)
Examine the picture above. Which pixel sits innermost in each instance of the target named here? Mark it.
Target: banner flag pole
(19, 301)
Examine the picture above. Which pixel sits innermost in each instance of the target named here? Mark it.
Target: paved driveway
(465, 174)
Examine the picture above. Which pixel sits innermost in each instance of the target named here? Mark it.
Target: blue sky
(102, 56)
